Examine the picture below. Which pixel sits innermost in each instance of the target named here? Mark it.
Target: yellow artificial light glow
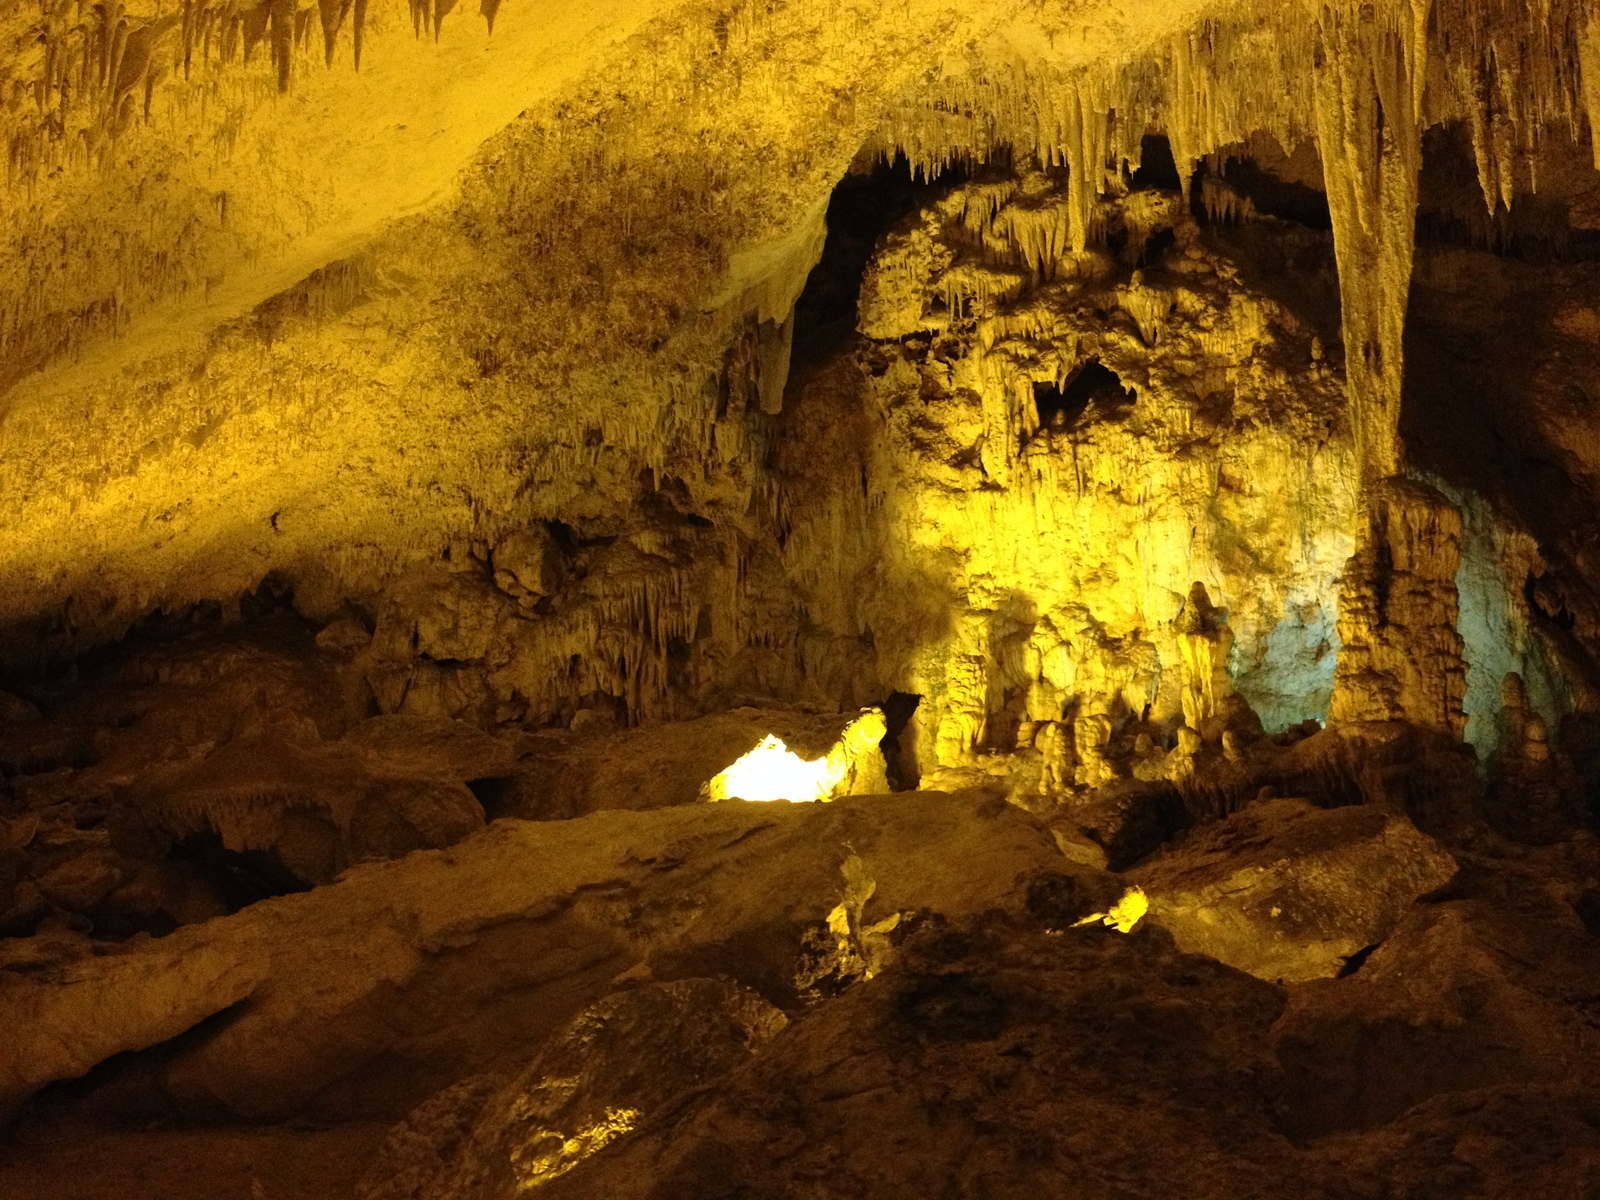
(774, 772)
(550, 1154)
(1124, 914)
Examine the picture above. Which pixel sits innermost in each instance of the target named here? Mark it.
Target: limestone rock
(528, 563)
(1534, 792)
(1465, 994)
(1129, 822)
(315, 807)
(623, 1061)
(1288, 891)
(499, 941)
(64, 1019)
(14, 710)
(878, 1092)
(1508, 1140)
(1398, 612)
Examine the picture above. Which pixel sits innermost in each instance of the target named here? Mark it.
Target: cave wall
(534, 440)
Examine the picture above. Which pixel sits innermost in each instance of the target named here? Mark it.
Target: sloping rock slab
(1512, 1142)
(63, 1019)
(1495, 989)
(432, 965)
(1287, 891)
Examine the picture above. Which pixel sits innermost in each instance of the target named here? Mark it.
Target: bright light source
(1124, 914)
(772, 771)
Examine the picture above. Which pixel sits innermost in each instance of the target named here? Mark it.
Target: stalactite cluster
(77, 74)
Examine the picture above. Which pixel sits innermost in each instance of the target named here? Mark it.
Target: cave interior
(769, 599)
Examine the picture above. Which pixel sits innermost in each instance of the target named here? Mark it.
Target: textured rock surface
(66, 1017)
(1483, 990)
(948, 1018)
(1289, 892)
(1401, 659)
(621, 1061)
(499, 941)
(994, 1059)
(532, 429)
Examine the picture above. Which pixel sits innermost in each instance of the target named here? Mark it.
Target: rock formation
(469, 477)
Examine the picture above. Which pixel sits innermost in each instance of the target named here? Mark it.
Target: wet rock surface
(636, 1052)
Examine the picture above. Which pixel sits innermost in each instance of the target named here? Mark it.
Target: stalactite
(89, 72)
(333, 13)
(1369, 71)
(283, 22)
(1589, 58)
(358, 28)
(1086, 153)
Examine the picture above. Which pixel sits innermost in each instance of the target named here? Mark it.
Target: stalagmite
(1204, 643)
(1401, 658)
(1589, 65)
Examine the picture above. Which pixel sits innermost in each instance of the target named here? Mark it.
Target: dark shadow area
(127, 1090)
(864, 207)
(1156, 247)
(495, 794)
(1093, 384)
(242, 877)
(1053, 407)
(1537, 228)
(1293, 266)
(1354, 962)
(1275, 197)
(1158, 170)
(898, 710)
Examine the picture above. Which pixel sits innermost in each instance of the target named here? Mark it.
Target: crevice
(865, 205)
(898, 710)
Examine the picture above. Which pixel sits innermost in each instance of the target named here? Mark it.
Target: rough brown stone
(1288, 891)
(498, 941)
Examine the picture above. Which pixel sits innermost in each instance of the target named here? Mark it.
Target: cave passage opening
(1092, 383)
(866, 204)
(898, 755)
(1157, 169)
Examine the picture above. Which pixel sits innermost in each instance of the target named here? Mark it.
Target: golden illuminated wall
(359, 334)
(1011, 571)
(458, 342)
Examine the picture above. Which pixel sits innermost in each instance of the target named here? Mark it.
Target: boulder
(1486, 990)
(61, 1018)
(1288, 891)
(315, 808)
(624, 1059)
(993, 1058)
